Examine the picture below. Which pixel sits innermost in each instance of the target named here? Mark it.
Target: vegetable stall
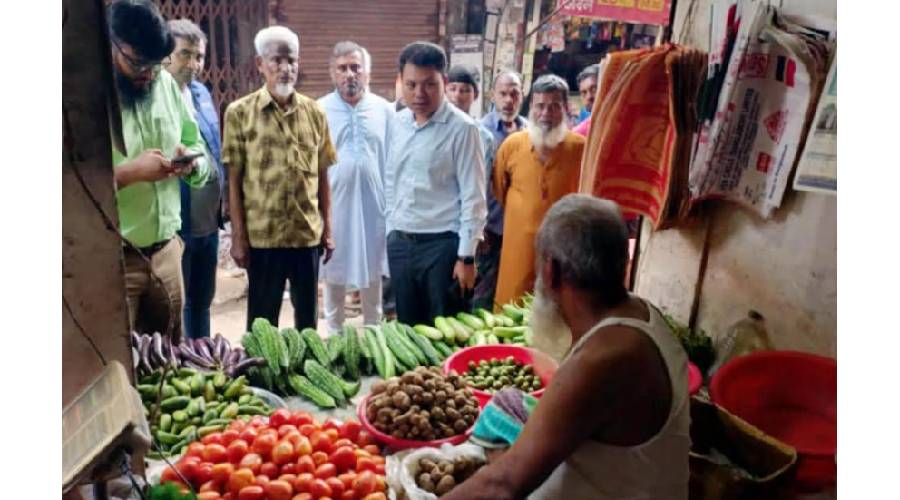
(289, 415)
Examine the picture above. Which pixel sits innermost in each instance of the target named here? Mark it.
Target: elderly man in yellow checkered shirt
(277, 150)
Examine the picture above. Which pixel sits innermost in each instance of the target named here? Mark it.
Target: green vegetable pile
(495, 374)
(698, 345)
(187, 404)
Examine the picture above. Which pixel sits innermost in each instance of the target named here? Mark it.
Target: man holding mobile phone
(156, 127)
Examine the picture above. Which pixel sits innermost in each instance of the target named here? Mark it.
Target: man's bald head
(507, 95)
(586, 241)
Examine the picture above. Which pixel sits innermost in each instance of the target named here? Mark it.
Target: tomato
(228, 496)
(333, 434)
(306, 464)
(375, 496)
(263, 444)
(364, 438)
(280, 490)
(347, 480)
(258, 421)
(240, 479)
(215, 453)
(343, 458)
(221, 472)
(251, 461)
(359, 452)
(299, 418)
(291, 468)
(195, 450)
(209, 495)
(169, 475)
(238, 425)
(269, 469)
(337, 487)
(303, 446)
(344, 442)
(288, 477)
(325, 471)
(350, 429)
(303, 496)
(203, 473)
(365, 463)
(229, 435)
(303, 483)
(279, 417)
(364, 483)
(252, 492)
(320, 488)
(213, 437)
(249, 434)
(209, 486)
(373, 449)
(285, 429)
(187, 466)
(307, 429)
(331, 424)
(378, 459)
(262, 480)
(236, 450)
(319, 457)
(379, 483)
(320, 441)
(379, 469)
(283, 453)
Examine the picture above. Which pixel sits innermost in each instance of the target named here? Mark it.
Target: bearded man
(157, 129)
(614, 422)
(277, 150)
(534, 168)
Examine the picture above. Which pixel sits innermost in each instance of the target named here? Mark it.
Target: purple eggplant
(221, 346)
(204, 352)
(135, 340)
(239, 368)
(174, 360)
(231, 358)
(145, 354)
(190, 357)
(242, 355)
(156, 351)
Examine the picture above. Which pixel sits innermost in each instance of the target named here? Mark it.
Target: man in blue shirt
(501, 122)
(434, 192)
(201, 209)
(588, 80)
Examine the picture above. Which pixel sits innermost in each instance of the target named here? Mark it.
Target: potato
(401, 400)
(446, 484)
(440, 397)
(460, 426)
(379, 386)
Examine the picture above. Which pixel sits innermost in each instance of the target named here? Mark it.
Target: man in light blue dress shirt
(360, 125)
(435, 193)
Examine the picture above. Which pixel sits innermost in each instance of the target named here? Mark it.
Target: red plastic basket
(544, 366)
(404, 444)
(791, 396)
(695, 379)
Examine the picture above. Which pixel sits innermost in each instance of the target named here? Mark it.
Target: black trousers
(487, 263)
(268, 270)
(422, 275)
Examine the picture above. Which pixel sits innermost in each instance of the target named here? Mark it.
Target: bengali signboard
(632, 11)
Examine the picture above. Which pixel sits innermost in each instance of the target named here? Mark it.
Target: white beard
(284, 90)
(547, 138)
(551, 334)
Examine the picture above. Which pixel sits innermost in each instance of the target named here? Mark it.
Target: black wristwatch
(467, 260)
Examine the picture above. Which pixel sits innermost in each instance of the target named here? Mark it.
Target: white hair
(347, 47)
(276, 34)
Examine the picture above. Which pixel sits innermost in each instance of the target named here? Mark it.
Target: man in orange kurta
(533, 169)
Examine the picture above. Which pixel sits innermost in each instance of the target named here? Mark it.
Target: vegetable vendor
(614, 422)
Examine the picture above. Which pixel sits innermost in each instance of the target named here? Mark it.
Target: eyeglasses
(139, 66)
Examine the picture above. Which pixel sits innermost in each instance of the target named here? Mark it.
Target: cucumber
(209, 429)
(174, 403)
(230, 411)
(429, 332)
(486, 316)
(442, 348)
(506, 332)
(251, 410)
(433, 356)
(397, 347)
(471, 321)
(167, 438)
(389, 367)
(305, 388)
(165, 422)
(446, 329)
(403, 335)
(512, 312)
(377, 354)
(183, 387)
(234, 388)
(462, 331)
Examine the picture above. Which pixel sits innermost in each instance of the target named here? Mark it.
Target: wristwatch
(467, 260)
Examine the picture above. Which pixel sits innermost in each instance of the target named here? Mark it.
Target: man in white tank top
(614, 422)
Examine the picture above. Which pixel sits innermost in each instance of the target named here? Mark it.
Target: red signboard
(632, 11)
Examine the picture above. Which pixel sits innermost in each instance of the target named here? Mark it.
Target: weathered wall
(786, 267)
(94, 318)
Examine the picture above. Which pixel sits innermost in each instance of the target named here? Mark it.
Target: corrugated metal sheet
(382, 26)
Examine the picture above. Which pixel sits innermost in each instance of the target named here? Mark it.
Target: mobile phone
(186, 158)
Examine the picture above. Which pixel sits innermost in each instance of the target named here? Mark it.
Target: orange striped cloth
(641, 131)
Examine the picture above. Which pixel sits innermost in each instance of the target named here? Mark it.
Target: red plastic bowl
(404, 444)
(544, 366)
(792, 396)
(695, 378)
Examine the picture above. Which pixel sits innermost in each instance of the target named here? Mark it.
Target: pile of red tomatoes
(290, 456)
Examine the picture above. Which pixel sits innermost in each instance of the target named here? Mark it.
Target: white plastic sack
(402, 469)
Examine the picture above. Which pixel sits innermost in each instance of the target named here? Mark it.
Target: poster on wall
(817, 170)
(632, 11)
(466, 50)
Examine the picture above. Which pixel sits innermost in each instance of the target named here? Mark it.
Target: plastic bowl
(695, 378)
(544, 366)
(791, 396)
(404, 444)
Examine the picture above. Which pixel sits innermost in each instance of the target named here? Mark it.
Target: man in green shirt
(157, 128)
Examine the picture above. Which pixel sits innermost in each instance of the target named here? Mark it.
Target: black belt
(152, 249)
(424, 236)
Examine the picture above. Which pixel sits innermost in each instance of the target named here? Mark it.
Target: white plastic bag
(403, 469)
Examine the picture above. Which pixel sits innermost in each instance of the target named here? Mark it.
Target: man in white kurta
(360, 127)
